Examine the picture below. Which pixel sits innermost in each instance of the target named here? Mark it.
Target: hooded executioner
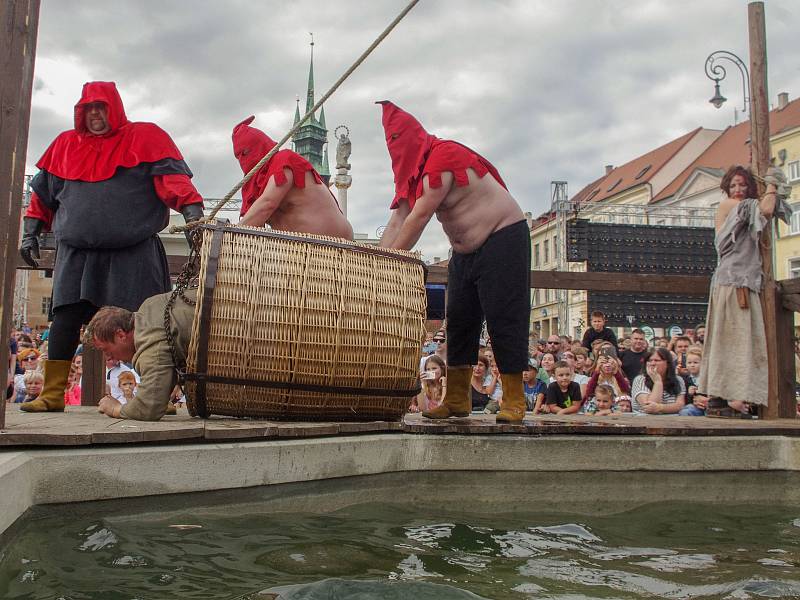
(105, 189)
(488, 274)
(286, 192)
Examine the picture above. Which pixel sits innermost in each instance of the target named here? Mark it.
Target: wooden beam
(791, 302)
(789, 286)
(781, 398)
(19, 20)
(603, 282)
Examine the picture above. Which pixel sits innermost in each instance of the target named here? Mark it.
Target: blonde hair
(695, 351)
(31, 376)
(127, 375)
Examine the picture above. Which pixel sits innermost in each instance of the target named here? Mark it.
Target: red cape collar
(80, 156)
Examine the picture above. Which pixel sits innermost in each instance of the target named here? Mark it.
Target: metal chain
(189, 273)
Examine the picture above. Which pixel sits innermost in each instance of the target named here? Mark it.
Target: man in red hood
(489, 271)
(286, 192)
(105, 189)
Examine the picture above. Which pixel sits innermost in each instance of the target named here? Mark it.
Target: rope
(299, 124)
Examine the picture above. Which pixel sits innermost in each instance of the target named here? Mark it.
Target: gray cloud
(545, 90)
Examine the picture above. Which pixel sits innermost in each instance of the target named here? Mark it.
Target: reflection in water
(388, 552)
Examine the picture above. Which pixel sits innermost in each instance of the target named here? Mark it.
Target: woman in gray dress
(735, 323)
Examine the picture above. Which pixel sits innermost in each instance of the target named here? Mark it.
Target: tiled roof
(733, 147)
(636, 172)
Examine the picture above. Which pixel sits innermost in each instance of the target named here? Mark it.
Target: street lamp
(716, 72)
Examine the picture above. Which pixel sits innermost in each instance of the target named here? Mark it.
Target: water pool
(113, 551)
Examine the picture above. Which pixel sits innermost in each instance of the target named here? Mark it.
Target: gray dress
(734, 363)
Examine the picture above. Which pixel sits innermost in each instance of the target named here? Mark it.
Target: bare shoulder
(724, 209)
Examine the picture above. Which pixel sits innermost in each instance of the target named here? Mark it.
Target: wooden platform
(84, 426)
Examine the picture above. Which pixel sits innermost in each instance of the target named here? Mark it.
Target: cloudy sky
(546, 90)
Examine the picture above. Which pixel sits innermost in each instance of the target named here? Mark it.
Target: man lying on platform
(140, 338)
(286, 193)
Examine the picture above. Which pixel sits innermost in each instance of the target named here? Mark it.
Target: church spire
(297, 111)
(310, 93)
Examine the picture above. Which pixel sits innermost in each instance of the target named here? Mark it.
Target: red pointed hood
(409, 145)
(250, 145)
(100, 91)
(78, 155)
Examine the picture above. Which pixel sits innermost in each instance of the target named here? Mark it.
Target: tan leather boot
(51, 399)
(457, 400)
(513, 409)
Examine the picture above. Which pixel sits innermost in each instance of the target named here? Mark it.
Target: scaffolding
(643, 214)
(561, 207)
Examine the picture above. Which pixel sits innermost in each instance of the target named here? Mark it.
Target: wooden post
(19, 20)
(781, 391)
(93, 384)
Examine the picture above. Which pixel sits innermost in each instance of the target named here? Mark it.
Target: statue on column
(343, 149)
(342, 181)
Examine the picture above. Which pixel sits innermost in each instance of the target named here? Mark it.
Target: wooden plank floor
(84, 426)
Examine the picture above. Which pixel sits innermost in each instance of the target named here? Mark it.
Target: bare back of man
(310, 209)
(468, 214)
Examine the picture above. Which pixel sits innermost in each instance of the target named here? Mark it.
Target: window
(555, 249)
(536, 255)
(46, 303)
(643, 172)
(794, 170)
(794, 267)
(615, 184)
(546, 252)
(794, 224)
(535, 297)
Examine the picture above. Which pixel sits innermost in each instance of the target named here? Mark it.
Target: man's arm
(267, 203)
(396, 221)
(423, 210)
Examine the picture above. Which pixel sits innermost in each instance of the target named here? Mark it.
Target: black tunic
(107, 246)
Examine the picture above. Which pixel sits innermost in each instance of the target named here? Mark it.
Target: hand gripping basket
(301, 327)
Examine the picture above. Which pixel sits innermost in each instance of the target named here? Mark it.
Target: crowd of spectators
(27, 354)
(597, 375)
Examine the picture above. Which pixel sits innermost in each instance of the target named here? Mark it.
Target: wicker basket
(293, 326)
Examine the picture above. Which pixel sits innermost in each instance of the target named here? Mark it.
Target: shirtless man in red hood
(488, 274)
(286, 193)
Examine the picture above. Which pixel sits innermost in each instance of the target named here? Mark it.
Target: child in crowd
(493, 385)
(72, 395)
(603, 402)
(34, 382)
(533, 387)
(582, 363)
(563, 396)
(695, 403)
(598, 331)
(623, 404)
(127, 384)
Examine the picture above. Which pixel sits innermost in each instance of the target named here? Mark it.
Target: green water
(399, 552)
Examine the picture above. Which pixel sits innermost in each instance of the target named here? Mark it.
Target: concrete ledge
(635, 469)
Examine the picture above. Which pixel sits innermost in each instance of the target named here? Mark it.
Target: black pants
(493, 281)
(66, 329)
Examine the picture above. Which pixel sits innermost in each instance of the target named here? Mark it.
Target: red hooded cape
(250, 145)
(79, 155)
(416, 153)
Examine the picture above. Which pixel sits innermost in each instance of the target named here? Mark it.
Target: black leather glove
(29, 249)
(191, 212)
